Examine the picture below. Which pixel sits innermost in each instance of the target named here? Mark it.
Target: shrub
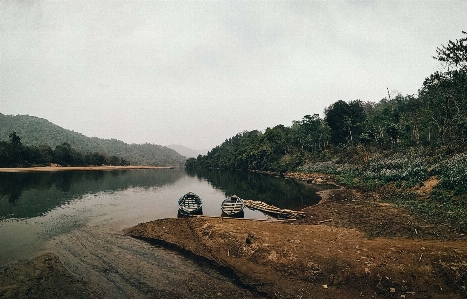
(405, 169)
(452, 173)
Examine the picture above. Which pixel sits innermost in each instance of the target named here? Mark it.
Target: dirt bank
(350, 245)
(75, 168)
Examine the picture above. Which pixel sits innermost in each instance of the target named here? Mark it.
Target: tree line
(14, 154)
(436, 117)
(36, 131)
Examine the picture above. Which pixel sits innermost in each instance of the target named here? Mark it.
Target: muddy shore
(43, 277)
(350, 245)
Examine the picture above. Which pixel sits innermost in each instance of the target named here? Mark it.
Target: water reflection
(27, 195)
(277, 191)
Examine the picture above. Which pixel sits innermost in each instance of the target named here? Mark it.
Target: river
(80, 216)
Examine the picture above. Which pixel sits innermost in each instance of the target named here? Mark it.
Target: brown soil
(349, 245)
(427, 187)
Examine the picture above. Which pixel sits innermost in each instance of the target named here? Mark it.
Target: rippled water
(80, 217)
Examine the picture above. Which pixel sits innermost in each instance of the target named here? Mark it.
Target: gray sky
(195, 73)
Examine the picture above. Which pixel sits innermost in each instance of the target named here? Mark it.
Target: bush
(453, 174)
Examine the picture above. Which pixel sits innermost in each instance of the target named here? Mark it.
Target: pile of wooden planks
(272, 210)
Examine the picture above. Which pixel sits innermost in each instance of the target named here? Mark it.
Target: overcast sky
(195, 73)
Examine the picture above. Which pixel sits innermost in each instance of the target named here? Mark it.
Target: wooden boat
(233, 206)
(190, 204)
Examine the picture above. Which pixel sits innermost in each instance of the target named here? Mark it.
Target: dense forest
(15, 154)
(36, 133)
(402, 139)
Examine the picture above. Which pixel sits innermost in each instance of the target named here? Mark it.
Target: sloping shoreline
(332, 253)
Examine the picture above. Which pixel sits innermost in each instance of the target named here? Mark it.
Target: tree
(16, 151)
(444, 97)
(64, 155)
(455, 53)
(15, 139)
(345, 121)
(278, 137)
(311, 133)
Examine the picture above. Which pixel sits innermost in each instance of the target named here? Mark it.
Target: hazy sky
(195, 73)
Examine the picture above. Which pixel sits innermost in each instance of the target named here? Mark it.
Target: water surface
(80, 215)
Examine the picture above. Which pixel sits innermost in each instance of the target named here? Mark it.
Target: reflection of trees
(14, 196)
(272, 190)
(9, 184)
(31, 194)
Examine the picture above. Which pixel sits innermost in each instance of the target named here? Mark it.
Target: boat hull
(233, 207)
(190, 204)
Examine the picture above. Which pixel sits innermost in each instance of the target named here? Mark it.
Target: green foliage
(348, 177)
(15, 154)
(310, 134)
(393, 146)
(442, 208)
(345, 121)
(406, 127)
(444, 107)
(36, 132)
(453, 174)
(455, 53)
(408, 168)
(14, 139)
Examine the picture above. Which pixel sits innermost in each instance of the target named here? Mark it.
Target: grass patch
(441, 208)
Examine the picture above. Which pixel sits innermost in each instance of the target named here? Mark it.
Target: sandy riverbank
(78, 168)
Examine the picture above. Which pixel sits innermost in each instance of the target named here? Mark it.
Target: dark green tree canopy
(345, 121)
(14, 139)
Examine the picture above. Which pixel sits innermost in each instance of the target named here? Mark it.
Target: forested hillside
(436, 117)
(400, 141)
(35, 131)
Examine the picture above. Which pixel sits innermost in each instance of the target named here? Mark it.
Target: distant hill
(37, 131)
(186, 151)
